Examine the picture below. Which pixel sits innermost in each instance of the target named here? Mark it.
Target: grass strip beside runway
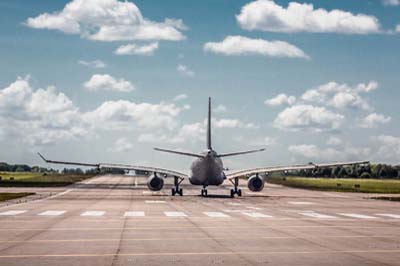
(340, 185)
(10, 196)
(28, 179)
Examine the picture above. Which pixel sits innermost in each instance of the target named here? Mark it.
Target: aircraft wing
(310, 166)
(161, 171)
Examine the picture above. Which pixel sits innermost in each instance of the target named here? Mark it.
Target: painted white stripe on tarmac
(356, 215)
(396, 216)
(175, 214)
(317, 215)
(10, 213)
(155, 201)
(256, 215)
(93, 213)
(254, 208)
(216, 214)
(300, 202)
(134, 214)
(52, 213)
(234, 203)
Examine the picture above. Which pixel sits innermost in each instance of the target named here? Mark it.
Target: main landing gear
(204, 191)
(177, 190)
(235, 190)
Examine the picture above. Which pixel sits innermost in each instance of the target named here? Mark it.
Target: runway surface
(115, 220)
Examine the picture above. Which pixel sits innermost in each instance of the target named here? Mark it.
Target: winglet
(41, 156)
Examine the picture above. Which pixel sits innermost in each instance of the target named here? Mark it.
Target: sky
(107, 80)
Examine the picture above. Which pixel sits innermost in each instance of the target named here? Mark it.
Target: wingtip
(41, 156)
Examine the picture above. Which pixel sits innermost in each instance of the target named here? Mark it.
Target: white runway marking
(254, 208)
(51, 213)
(93, 213)
(356, 215)
(234, 203)
(155, 201)
(175, 214)
(9, 213)
(216, 214)
(300, 202)
(235, 210)
(134, 214)
(396, 216)
(317, 215)
(256, 215)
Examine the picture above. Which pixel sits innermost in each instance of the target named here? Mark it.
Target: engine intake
(255, 183)
(155, 183)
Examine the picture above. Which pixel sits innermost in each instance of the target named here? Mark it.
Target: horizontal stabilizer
(239, 153)
(180, 152)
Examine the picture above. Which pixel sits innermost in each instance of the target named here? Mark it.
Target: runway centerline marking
(356, 215)
(52, 213)
(175, 214)
(155, 201)
(317, 215)
(12, 212)
(93, 213)
(396, 216)
(254, 208)
(256, 215)
(216, 214)
(134, 214)
(301, 202)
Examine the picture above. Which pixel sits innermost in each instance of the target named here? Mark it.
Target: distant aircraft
(207, 169)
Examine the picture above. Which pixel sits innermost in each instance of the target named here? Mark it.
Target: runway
(115, 220)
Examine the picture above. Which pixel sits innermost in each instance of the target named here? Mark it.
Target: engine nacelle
(155, 183)
(255, 183)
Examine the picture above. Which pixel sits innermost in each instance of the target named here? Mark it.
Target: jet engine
(155, 183)
(255, 183)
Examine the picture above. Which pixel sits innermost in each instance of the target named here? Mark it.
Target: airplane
(207, 169)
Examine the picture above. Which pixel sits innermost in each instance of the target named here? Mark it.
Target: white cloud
(180, 97)
(220, 109)
(107, 20)
(267, 141)
(334, 141)
(389, 148)
(280, 99)
(398, 28)
(134, 49)
(341, 96)
(122, 115)
(106, 82)
(38, 117)
(266, 15)
(310, 151)
(373, 120)
(93, 64)
(391, 2)
(299, 117)
(184, 70)
(239, 45)
(121, 145)
(232, 123)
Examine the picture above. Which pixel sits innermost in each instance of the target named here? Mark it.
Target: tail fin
(209, 125)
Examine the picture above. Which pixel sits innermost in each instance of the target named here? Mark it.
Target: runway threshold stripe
(317, 215)
(216, 214)
(222, 253)
(134, 214)
(175, 214)
(52, 213)
(12, 212)
(356, 215)
(256, 215)
(396, 216)
(93, 213)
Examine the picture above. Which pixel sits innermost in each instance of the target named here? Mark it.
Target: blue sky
(338, 70)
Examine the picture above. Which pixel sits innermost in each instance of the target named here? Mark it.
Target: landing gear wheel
(232, 193)
(173, 191)
(181, 192)
(239, 193)
(204, 192)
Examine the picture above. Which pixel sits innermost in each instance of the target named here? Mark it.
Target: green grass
(345, 185)
(9, 196)
(27, 179)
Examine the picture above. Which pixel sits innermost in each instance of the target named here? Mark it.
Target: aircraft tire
(181, 192)
(239, 192)
(173, 192)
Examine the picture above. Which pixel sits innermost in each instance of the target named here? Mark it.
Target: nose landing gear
(204, 192)
(235, 190)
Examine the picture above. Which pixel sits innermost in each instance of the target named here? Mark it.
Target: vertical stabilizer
(209, 125)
